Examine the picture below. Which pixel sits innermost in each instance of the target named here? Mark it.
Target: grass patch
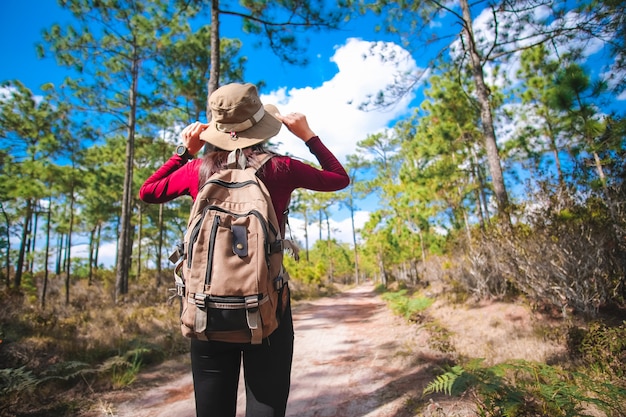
(410, 306)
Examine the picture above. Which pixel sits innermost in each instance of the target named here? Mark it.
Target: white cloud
(332, 110)
(107, 253)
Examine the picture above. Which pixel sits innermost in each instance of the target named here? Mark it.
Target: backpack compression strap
(237, 160)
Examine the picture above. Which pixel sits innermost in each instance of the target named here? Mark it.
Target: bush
(405, 305)
(601, 348)
(568, 255)
(528, 389)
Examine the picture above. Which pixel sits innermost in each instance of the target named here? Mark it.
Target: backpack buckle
(276, 246)
(199, 300)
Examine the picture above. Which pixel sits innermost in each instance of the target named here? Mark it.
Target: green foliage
(124, 368)
(14, 383)
(521, 388)
(602, 348)
(19, 384)
(406, 305)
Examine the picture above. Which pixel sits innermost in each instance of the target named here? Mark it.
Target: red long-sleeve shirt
(177, 178)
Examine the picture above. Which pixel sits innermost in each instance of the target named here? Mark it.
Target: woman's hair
(215, 159)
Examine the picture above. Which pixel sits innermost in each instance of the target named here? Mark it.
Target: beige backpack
(230, 275)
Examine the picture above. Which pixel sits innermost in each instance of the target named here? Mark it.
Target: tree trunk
(33, 240)
(139, 237)
(331, 266)
(214, 73)
(69, 248)
(381, 268)
(356, 249)
(306, 235)
(486, 117)
(46, 255)
(7, 258)
(92, 238)
(124, 252)
(59, 261)
(160, 247)
(17, 282)
(97, 247)
(66, 267)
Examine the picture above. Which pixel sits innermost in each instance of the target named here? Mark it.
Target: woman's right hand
(297, 124)
(191, 137)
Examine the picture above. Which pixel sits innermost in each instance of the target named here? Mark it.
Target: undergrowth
(410, 306)
(591, 382)
(521, 388)
(51, 357)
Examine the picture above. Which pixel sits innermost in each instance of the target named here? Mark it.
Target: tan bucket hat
(239, 119)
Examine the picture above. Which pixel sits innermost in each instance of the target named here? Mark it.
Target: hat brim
(266, 128)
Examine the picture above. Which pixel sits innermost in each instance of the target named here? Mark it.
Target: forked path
(352, 358)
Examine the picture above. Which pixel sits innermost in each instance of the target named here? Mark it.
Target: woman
(241, 121)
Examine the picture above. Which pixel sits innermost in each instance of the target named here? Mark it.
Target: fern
(67, 371)
(16, 381)
(521, 388)
(444, 382)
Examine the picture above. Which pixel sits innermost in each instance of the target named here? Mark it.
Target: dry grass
(499, 331)
(110, 340)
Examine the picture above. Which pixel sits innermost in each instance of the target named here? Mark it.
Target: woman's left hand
(191, 137)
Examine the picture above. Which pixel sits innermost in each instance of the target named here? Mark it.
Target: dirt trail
(352, 358)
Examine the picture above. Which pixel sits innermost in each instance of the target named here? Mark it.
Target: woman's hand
(297, 124)
(191, 137)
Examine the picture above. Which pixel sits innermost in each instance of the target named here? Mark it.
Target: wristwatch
(183, 152)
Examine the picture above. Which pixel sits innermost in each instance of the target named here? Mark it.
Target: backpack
(230, 276)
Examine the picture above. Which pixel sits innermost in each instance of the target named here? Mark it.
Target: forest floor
(355, 358)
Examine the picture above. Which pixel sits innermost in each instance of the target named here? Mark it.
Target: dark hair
(215, 159)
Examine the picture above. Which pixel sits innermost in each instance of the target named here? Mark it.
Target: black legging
(267, 371)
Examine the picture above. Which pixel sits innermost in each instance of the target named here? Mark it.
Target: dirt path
(352, 358)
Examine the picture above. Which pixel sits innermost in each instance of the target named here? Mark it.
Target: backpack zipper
(193, 238)
(209, 265)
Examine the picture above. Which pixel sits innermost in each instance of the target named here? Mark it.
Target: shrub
(527, 389)
(600, 347)
(406, 305)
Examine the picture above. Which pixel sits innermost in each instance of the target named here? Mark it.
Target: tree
(187, 64)
(380, 153)
(543, 121)
(278, 21)
(32, 129)
(508, 28)
(113, 44)
(608, 18)
(349, 199)
(442, 171)
(576, 95)
(102, 172)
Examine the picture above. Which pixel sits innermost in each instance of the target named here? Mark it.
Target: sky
(340, 75)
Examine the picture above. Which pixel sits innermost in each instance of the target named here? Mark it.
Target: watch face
(181, 150)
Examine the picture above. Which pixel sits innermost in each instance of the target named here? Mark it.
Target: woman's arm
(331, 177)
(174, 179)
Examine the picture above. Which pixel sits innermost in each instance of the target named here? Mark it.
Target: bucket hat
(239, 119)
